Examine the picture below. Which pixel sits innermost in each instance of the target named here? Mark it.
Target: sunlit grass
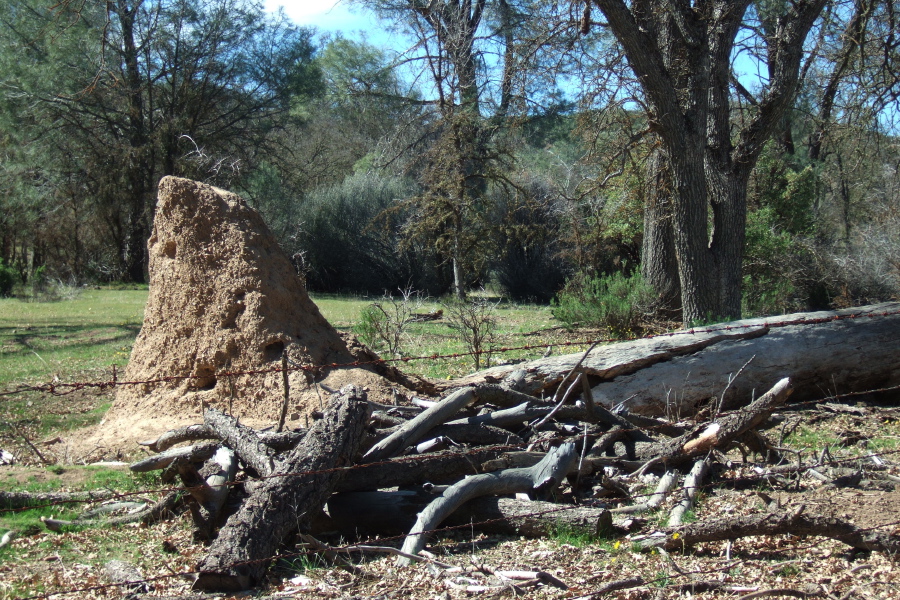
(67, 338)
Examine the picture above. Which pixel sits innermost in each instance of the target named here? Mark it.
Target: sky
(333, 16)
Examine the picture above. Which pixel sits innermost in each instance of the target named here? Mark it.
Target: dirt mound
(223, 298)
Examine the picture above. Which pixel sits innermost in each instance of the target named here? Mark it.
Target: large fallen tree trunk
(283, 502)
(823, 352)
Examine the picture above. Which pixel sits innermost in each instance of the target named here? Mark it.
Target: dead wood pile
(485, 456)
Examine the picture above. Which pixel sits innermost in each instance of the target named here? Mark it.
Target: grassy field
(80, 339)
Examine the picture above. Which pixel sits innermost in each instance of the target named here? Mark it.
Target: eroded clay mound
(223, 298)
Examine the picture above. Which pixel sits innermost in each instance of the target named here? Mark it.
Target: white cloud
(327, 15)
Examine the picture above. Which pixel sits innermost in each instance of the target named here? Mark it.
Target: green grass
(73, 338)
(811, 439)
(437, 338)
(579, 538)
(69, 479)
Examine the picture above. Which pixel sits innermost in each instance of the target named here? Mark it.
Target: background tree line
(735, 156)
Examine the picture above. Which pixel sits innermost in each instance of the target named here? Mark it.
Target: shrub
(772, 267)
(476, 325)
(525, 232)
(616, 301)
(350, 238)
(382, 325)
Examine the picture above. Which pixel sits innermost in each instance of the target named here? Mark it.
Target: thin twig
(27, 441)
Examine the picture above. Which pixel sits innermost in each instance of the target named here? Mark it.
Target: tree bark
(243, 440)
(659, 266)
(794, 523)
(390, 513)
(415, 430)
(827, 352)
(283, 503)
(539, 480)
(682, 55)
(440, 468)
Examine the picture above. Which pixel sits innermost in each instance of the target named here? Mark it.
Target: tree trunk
(827, 352)
(285, 502)
(659, 266)
(391, 513)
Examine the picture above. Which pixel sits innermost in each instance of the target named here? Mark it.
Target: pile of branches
(485, 454)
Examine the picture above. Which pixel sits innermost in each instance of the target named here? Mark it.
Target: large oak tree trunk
(659, 267)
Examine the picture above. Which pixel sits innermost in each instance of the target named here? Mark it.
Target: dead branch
(537, 480)
(415, 430)
(283, 504)
(243, 440)
(775, 523)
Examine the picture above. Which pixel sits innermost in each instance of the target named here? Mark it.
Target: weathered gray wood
(777, 523)
(539, 479)
(281, 441)
(210, 489)
(690, 490)
(286, 501)
(417, 428)
(198, 453)
(127, 576)
(391, 513)
(719, 433)
(440, 468)
(534, 519)
(243, 440)
(823, 352)
(188, 433)
(477, 435)
(665, 485)
(25, 499)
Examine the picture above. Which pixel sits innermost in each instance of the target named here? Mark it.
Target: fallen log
(774, 523)
(444, 467)
(415, 429)
(530, 518)
(209, 488)
(198, 453)
(719, 433)
(286, 501)
(392, 513)
(188, 433)
(839, 351)
(246, 442)
(15, 500)
(537, 480)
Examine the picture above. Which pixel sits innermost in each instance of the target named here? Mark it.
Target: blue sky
(333, 16)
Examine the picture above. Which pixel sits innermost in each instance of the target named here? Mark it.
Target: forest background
(698, 160)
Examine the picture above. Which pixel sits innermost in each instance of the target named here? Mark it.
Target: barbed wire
(55, 387)
(745, 479)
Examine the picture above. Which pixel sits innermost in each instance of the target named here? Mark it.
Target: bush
(772, 273)
(476, 325)
(616, 301)
(7, 279)
(350, 238)
(382, 325)
(527, 261)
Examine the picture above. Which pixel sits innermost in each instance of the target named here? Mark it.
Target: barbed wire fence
(669, 581)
